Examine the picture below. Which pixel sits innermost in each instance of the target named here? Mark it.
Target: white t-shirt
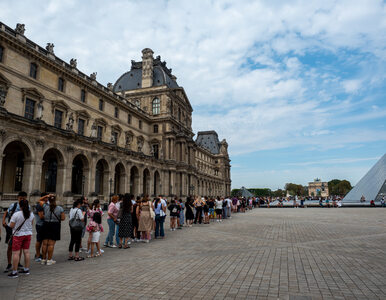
(18, 219)
(77, 211)
(228, 202)
(218, 204)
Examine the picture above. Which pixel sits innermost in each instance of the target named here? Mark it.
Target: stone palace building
(61, 131)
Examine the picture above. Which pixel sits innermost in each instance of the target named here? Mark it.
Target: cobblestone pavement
(289, 253)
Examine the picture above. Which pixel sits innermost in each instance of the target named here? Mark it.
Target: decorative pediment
(101, 121)
(116, 128)
(4, 81)
(32, 92)
(82, 113)
(60, 104)
(154, 141)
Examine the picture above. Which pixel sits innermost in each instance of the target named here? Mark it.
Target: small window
(81, 123)
(58, 119)
(179, 114)
(156, 105)
(128, 119)
(29, 109)
(101, 104)
(1, 53)
(155, 128)
(83, 95)
(61, 84)
(99, 133)
(115, 137)
(33, 71)
(116, 112)
(140, 124)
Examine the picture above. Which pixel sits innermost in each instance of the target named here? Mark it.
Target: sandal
(79, 258)
(126, 247)
(89, 256)
(120, 246)
(96, 255)
(70, 258)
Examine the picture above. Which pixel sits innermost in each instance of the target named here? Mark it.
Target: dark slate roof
(209, 140)
(133, 79)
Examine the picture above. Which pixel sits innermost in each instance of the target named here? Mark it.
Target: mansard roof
(209, 140)
(132, 80)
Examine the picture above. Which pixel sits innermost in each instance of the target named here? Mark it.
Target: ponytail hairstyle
(25, 208)
(52, 203)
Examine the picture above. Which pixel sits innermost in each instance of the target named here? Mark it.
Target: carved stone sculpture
(113, 140)
(129, 138)
(3, 94)
(20, 28)
(39, 114)
(73, 63)
(110, 86)
(50, 48)
(70, 123)
(93, 76)
(94, 130)
(140, 142)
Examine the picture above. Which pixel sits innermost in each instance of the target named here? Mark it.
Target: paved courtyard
(288, 253)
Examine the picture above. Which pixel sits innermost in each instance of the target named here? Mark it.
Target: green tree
(295, 189)
(339, 187)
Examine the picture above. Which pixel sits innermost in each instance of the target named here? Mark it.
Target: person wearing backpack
(76, 227)
(13, 208)
(21, 224)
(53, 216)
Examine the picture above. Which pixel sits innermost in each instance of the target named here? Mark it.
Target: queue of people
(129, 220)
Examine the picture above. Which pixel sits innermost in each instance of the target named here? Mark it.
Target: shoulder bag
(152, 213)
(76, 223)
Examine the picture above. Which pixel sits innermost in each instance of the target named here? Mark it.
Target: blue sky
(297, 88)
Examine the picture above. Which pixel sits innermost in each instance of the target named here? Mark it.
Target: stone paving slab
(297, 254)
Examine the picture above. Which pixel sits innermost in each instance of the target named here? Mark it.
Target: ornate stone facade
(64, 132)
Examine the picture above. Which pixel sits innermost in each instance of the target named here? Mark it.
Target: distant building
(318, 188)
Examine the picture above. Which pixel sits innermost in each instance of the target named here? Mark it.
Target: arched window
(156, 105)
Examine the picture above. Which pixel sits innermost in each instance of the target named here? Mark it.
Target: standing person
(219, 204)
(145, 221)
(39, 223)
(118, 205)
(182, 215)
(13, 208)
(211, 208)
(95, 208)
(76, 234)
(95, 227)
(111, 221)
(160, 214)
(224, 208)
(134, 219)
(198, 206)
(174, 214)
(53, 215)
(206, 211)
(125, 224)
(228, 207)
(21, 224)
(189, 212)
(85, 207)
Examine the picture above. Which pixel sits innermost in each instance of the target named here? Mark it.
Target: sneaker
(24, 272)
(129, 243)
(12, 275)
(20, 267)
(51, 262)
(113, 246)
(43, 261)
(102, 251)
(147, 241)
(8, 268)
(105, 245)
(38, 259)
(171, 229)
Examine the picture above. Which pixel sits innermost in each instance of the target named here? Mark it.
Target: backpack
(12, 211)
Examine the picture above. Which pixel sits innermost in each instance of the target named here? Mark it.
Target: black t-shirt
(174, 210)
(211, 204)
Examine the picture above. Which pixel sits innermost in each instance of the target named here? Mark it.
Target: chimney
(147, 68)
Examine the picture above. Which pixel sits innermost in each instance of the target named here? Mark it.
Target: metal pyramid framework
(372, 186)
(245, 193)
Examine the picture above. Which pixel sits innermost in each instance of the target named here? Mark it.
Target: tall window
(81, 127)
(140, 124)
(128, 119)
(99, 133)
(19, 172)
(83, 95)
(155, 128)
(61, 84)
(179, 114)
(33, 70)
(58, 119)
(156, 106)
(1, 53)
(101, 104)
(116, 112)
(29, 109)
